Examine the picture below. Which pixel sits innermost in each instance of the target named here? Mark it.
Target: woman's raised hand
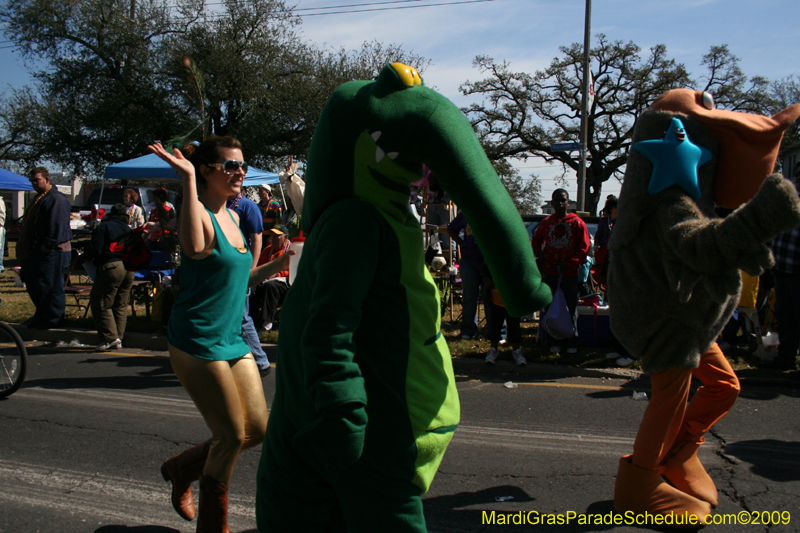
(182, 165)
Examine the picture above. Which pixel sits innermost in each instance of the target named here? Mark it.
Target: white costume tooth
(375, 135)
(393, 155)
(379, 154)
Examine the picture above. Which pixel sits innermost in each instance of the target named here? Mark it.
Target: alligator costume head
(371, 142)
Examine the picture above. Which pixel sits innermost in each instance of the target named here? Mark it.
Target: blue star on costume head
(675, 160)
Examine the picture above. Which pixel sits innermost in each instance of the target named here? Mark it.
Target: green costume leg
(292, 496)
(295, 497)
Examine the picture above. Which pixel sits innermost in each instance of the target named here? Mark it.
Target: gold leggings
(230, 396)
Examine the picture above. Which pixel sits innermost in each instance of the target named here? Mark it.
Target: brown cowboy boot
(182, 470)
(213, 515)
(684, 470)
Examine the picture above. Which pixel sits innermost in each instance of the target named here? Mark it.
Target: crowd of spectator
(561, 243)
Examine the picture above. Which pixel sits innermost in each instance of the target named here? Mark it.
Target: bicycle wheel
(13, 360)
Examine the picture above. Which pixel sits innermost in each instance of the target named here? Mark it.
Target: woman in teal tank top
(207, 351)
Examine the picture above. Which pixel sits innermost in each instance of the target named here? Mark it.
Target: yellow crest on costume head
(408, 75)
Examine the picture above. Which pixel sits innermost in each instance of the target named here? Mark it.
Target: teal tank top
(206, 321)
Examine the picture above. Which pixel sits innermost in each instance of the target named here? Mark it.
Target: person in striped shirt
(269, 207)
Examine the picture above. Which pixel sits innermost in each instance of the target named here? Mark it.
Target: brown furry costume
(674, 282)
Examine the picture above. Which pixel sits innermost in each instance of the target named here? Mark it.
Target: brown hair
(160, 193)
(611, 203)
(206, 153)
(134, 194)
(40, 170)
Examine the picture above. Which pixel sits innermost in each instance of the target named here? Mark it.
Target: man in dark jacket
(112, 284)
(44, 250)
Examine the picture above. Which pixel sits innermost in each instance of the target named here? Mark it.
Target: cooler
(594, 324)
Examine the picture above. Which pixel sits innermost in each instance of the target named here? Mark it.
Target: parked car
(13, 226)
(112, 194)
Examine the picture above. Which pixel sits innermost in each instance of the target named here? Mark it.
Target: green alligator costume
(366, 401)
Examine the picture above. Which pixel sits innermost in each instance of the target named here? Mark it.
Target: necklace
(235, 201)
(36, 201)
(241, 249)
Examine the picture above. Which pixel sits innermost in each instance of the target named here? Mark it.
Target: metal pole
(587, 30)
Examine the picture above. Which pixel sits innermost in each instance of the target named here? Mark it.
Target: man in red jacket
(561, 243)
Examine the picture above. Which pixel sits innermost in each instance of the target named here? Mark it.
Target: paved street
(83, 440)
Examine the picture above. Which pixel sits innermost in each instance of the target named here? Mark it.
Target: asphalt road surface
(83, 440)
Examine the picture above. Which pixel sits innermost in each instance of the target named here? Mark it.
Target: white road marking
(565, 441)
(104, 497)
(104, 398)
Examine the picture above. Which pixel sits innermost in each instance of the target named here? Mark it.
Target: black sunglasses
(230, 166)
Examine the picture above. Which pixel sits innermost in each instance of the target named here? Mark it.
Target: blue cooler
(594, 324)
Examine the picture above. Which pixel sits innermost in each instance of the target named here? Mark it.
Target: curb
(140, 341)
(150, 341)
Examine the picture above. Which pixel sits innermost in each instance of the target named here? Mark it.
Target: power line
(219, 15)
(366, 4)
(343, 6)
(393, 8)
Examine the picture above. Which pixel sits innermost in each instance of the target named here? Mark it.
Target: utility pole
(587, 30)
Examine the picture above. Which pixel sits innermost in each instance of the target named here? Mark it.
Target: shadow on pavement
(762, 390)
(106, 382)
(599, 516)
(156, 373)
(773, 459)
(160, 365)
(135, 529)
(447, 513)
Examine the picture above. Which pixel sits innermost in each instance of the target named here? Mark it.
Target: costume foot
(687, 474)
(641, 490)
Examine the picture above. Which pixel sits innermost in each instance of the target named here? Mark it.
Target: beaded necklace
(234, 203)
(36, 201)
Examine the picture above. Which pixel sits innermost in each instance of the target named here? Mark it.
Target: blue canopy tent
(153, 167)
(10, 181)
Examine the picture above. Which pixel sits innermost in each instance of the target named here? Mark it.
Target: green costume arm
(333, 379)
(456, 157)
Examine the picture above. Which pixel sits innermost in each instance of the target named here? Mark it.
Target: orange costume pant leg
(669, 436)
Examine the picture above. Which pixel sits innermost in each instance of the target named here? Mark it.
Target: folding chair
(77, 291)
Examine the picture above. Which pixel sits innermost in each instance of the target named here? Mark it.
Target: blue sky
(527, 33)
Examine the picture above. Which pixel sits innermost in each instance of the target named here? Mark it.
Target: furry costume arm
(715, 249)
(333, 378)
